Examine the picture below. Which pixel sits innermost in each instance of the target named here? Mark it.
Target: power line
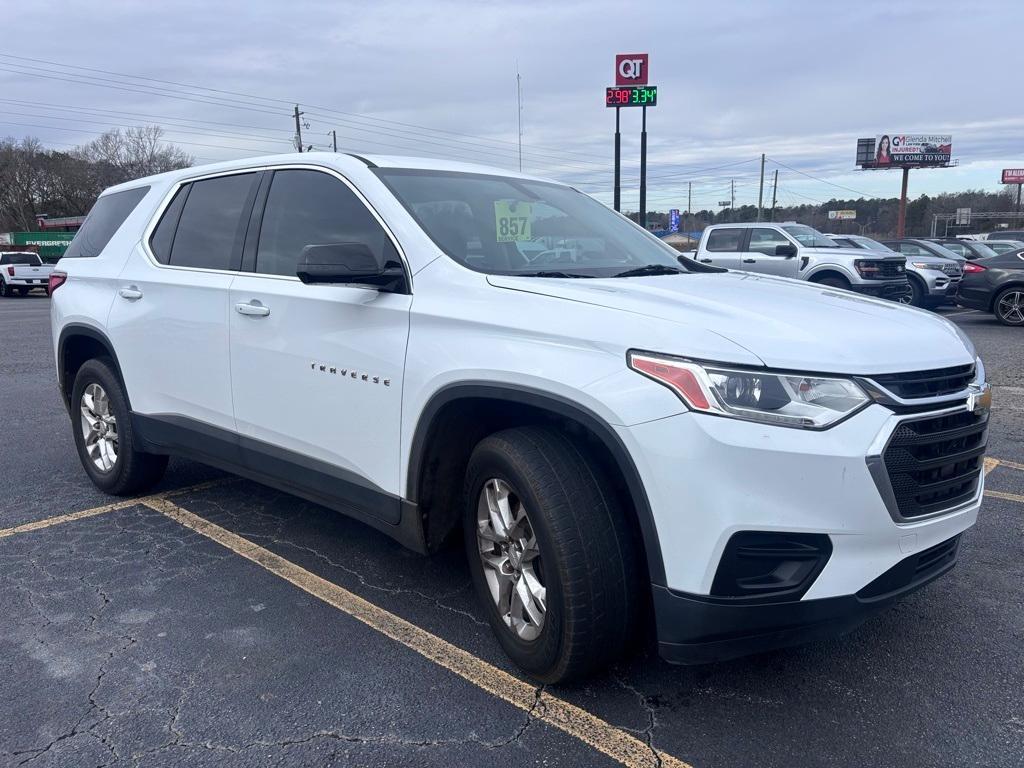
(823, 181)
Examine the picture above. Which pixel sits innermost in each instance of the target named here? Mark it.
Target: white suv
(436, 349)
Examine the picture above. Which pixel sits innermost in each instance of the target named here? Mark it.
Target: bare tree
(132, 153)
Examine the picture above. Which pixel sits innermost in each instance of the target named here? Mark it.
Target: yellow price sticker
(512, 220)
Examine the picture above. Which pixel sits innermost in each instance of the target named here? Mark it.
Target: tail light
(10, 271)
(970, 268)
(57, 279)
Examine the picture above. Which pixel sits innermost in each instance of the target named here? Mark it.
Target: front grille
(887, 270)
(935, 464)
(942, 381)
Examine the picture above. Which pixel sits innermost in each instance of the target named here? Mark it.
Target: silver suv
(802, 253)
(933, 279)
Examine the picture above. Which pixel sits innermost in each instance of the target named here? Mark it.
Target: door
(317, 370)
(760, 254)
(723, 247)
(169, 319)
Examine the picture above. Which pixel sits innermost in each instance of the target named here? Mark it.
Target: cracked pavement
(127, 639)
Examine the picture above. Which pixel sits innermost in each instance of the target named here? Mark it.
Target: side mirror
(348, 263)
(788, 250)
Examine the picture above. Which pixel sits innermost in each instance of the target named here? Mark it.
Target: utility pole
(519, 102)
(775, 188)
(760, 189)
(334, 139)
(689, 197)
(298, 128)
(732, 194)
(901, 221)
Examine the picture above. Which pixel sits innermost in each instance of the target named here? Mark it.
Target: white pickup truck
(22, 271)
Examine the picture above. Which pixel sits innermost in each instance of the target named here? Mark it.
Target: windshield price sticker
(512, 220)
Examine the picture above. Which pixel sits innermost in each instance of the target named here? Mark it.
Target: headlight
(926, 265)
(785, 399)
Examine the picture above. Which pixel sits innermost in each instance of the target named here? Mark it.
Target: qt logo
(631, 69)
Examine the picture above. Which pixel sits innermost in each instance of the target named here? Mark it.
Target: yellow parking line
(37, 525)
(991, 464)
(1010, 464)
(1007, 496)
(577, 722)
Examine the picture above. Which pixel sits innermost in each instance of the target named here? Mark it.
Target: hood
(853, 253)
(786, 323)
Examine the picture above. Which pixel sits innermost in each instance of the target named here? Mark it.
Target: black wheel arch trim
(560, 406)
(81, 329)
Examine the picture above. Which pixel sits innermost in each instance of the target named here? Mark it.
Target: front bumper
(698, 630)
(891, 289)
(709, 478)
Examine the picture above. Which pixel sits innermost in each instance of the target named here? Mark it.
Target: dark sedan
(995, 285)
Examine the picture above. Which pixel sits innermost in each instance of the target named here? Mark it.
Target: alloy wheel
(511, 559)
(99, 427)
(1011, 307)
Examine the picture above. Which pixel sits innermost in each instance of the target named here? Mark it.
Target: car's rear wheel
(23, 291)
(104, 435)
(1009, 306)
(552, 556)
(5, 290)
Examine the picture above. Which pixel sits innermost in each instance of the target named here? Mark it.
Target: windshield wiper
(651, 269)
(548, 273)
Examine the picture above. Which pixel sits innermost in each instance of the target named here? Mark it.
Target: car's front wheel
(104, 436)
(5, 290)
(1009, 306)
(551, 553)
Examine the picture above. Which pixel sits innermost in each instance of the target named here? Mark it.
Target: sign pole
(901, 222)
(1018, 199)
(618, 162)
(760, 190)
(643, 168)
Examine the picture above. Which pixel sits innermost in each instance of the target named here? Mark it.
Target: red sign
(1013, 175)
(631, 69)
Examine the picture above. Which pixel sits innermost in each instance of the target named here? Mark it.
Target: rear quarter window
(105, 218)
(29, 259)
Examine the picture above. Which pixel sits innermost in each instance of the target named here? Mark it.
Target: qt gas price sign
(631, 96)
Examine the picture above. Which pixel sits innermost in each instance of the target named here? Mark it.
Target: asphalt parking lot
(220, 622)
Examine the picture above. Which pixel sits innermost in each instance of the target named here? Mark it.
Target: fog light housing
(769, 565)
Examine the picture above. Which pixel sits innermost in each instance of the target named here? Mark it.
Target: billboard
(1013, 175)
(905, 150)
(842, 215)
(673, 220)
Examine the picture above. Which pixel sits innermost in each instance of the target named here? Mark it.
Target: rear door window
(105, 218)
(212, 224)
(725, 240)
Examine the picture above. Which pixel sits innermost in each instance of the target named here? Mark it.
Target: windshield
(945, 253)
(20, 258)
(808, 236)
(506, 226)
(872, 245)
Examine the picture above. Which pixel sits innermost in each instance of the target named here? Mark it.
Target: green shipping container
(51, 244)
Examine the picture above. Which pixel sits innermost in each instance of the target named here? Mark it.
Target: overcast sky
(799, 81)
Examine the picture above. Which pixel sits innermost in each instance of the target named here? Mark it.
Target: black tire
(133, 471)
(5, 290)
(589, 555)
(23, 291)
(834, 282)
(1011, 318)
(917, 292)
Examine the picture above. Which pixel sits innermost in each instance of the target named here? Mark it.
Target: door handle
(705, 261)
(750, 261)
(253, 309)
(131, 293)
